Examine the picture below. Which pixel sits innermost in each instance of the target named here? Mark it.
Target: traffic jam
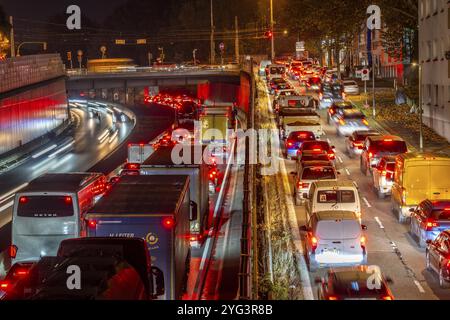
(130, 234)
(367, 205)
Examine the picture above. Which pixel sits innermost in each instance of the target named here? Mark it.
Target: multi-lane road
(390, 246)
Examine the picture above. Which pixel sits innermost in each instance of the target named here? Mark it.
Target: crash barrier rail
(19, 72)
(212, 236)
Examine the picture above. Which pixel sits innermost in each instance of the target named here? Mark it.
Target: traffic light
(269, 34)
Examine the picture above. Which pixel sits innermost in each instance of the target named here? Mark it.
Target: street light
(271, 28)
(415, 64)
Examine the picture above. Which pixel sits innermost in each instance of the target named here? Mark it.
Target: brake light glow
(388, 140)
(21, 272)
(133, 166)
(317, 150)
(365, 122)
(92, 224)
(23, 200)
(357, 145)
(363, 242)
(13, 251)
(314, 243)
(4, 285)
(168, 223)
(342, 122)
(68, 200)
(302, 185)
(387, 298)
(331, 155)
(370, 155)
(430, 224)
(332, 298)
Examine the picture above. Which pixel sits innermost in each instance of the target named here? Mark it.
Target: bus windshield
(45, 206)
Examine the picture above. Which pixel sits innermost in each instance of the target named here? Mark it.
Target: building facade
(434, 51)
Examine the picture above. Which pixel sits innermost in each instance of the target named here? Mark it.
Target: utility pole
(273, 33)
(374, 111)
(213, 55)
(236, 41)
(420, 108)
(13, 48)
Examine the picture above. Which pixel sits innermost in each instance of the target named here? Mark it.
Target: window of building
(428, 99)
(436, 95)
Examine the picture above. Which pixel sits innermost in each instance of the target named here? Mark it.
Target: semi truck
(161, 163)
(157, 209)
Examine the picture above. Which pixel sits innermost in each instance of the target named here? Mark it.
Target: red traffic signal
(268, 34)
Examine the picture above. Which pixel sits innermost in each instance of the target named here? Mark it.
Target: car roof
(335, 184)
(336, 215)
(424, 156)
(61, 182)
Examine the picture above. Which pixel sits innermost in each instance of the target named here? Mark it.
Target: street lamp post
(273, 33)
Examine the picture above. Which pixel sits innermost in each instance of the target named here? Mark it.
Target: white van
(334, 239)
(333, 196)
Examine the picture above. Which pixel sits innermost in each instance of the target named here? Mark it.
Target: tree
(4, 33)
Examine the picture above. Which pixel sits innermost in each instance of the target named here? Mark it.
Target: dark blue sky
(42, 9)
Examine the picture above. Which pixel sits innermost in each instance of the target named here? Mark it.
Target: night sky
(43, 9)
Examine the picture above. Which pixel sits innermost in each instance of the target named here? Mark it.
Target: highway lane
(390, 246)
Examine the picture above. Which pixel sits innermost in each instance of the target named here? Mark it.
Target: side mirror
(157, 280)
(364, 227)
(194, 211)
(304, 229)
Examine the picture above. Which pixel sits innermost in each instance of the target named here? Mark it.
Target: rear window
(335, 196)
(355, 284)
(302, 136)
(45, 206)
(319, 173)
(277, 70)
(441, 214)
(390, 146)
(354, 115)
(338, 229)
(322, 145)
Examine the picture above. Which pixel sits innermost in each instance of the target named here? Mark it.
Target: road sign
(365, 75)
(300, 46)
(222, 46)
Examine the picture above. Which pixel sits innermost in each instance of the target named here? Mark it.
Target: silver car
(349, 121)
(351, 87)
(383, 176)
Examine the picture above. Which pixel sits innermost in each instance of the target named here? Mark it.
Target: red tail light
(357, 145)
(132, 166)
(23, 200)
(430, 224)
(331, 156)
(4, 285)
(290, 143)
(370, 155)
(387, 298)
(168, 223)
(92, 224)
(13, 251)
(68, 200)
(366, 122)
(314, 243)
(302, 185)
(363, 241)
(21, 272)
(332, 298)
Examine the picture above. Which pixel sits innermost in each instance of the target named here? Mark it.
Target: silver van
(333, 239)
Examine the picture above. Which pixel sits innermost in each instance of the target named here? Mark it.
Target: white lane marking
(348, 172)
(61, 150)
(367, 202)
(419, 286)
(12, 192)
(6, 206)
(205, 253)
(340, 160)
(379, 222)
(37, 155)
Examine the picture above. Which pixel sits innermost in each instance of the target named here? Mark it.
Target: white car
(332, 195)
(334, 239)
(351, 87)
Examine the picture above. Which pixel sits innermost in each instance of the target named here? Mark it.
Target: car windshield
(318, 173)
(355, 284)
(45, 206)
(390, 146)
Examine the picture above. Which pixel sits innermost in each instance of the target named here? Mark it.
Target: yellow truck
(418, 177)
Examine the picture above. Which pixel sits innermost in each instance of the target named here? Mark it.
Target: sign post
(365, 76)
(222, 49)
